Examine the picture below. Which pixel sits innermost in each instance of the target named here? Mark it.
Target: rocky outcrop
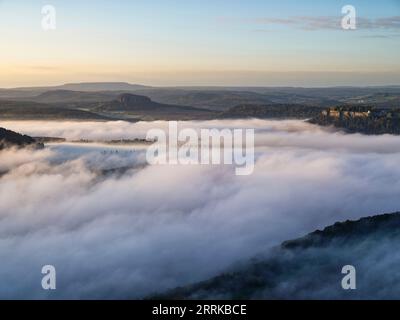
(10, 138)
(143, 108)
(362, 119)
(311, 267)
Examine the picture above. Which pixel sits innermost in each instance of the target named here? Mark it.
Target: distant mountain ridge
(28, 110)
(90, 86)
(143, 107)
(79, 105)
(70, 96)
(102, 86)
(272, 111)
(217, 98)
(102, 100)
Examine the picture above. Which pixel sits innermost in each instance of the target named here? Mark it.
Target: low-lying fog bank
(158, 227)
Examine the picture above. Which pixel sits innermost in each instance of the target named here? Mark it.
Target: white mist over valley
(149, 228)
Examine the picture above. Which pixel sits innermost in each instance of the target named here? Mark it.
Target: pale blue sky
(177, 42)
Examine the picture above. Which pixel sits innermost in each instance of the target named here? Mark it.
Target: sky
(187, 42)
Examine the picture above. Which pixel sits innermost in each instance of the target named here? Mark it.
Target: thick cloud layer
(157, 227)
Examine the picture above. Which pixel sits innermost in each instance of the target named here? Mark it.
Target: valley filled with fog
(116, 227)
